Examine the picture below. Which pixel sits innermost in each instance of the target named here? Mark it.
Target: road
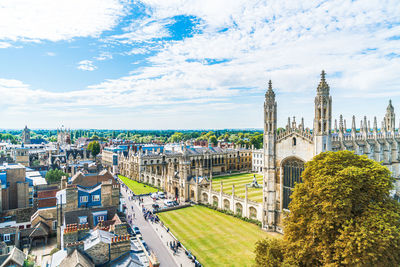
(149, 235)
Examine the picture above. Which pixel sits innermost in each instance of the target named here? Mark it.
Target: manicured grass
(239, 180)
(216, 239)
(136, 187)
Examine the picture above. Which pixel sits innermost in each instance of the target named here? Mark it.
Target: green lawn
(239, 180)
(216, 239)
(136, 187)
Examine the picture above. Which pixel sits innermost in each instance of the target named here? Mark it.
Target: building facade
(286, 151)
(184, 169)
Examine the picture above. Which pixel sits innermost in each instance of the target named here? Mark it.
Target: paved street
(155, 237)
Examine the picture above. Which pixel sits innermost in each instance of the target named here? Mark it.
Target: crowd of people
(149, 215)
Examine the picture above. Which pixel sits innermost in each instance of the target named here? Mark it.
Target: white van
(168, 203)
(161, 195)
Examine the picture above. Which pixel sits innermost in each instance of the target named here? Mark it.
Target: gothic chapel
(286, 151)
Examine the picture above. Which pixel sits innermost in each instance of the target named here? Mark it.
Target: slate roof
(16, 256)
(96, 237)
(40, 229)
(73, 216)
(91, 180)
(76, 259)
(129, 259)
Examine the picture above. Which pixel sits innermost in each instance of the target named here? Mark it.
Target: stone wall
(119, 247)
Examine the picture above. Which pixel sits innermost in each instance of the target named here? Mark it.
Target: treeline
(241, 137)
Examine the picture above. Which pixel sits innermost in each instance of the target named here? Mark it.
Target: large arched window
(292, 169)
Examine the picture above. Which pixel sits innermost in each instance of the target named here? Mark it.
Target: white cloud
(86, 65)
(286, 41)
(51, 54)
(143, 30)
(104, 56)
(55, 20)
(5, 45)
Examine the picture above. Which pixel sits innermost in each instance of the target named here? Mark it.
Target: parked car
(161, 195)
(155, 206)
(168, 203)
(175, 203)
(154, 195)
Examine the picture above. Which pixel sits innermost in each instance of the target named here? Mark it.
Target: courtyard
(240, 180)
(136, 187)
(216, 239)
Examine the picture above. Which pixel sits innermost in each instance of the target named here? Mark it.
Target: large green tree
(269, 252)
(342, 214)
(94, 148)
(54, 176)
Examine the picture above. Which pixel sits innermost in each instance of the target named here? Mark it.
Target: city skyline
(193, 65)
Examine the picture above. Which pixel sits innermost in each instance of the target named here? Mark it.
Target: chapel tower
(322, 117)
(269, 188)
(389, 120)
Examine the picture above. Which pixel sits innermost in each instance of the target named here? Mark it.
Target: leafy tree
(269, 252)
(95, 137)
(54, 176)
(342, 214)
(176, 137)
(213, 140)
(94, 148)
(36, 163)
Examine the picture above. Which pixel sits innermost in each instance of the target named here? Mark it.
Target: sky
(166, 64)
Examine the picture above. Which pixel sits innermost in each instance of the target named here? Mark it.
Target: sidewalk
(180, 257)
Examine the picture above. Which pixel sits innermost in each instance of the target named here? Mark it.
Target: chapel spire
(323, 87)
(270, 94)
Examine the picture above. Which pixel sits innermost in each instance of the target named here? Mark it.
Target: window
(82, 219)
(6, 237)
(95, 197)
(54, 225)
(294, 141)
(84, 198)
(100, 218)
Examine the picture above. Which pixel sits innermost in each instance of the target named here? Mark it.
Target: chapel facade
(287, 150)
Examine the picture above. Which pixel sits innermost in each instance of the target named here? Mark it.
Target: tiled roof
(47, 202)
(47, 193)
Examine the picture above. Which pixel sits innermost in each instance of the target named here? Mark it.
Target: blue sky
(158, 64)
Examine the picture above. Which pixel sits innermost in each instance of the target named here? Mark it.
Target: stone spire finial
(345, 126)
(288, 122)
(353, 124)
(341, 123)
(365, 125)
(270, 93)
(390, 106)
(361, 127)
(336, 128)
(323, 87)
(375, 130)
